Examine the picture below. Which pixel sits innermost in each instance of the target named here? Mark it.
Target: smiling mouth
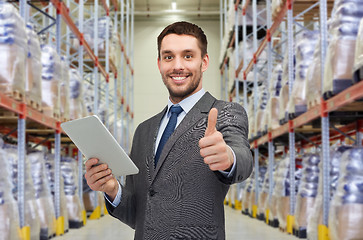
(179, 78)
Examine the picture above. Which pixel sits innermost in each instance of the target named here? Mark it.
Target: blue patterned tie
(175, 111)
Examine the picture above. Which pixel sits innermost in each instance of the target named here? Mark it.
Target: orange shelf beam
(345, 97)
(21, 109)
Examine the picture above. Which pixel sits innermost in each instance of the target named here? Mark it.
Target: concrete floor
(238, 227)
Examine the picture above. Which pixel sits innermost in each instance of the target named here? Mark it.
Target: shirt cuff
(231, 172)
(117, 199)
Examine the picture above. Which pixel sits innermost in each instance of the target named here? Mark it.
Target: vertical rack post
(236, 52)
(107, 61)
(270, 173)
(97, 212)
(57, 146)
(290, 39)
(24, 230)
(127, 44)
(80, 70)
(80, 184)
(131, 68)
(271, 154)
(57, 185)
(244, 37)
(226, 81)
(323, 229)
(95, 70)
(68, 37)
(255, 92)
(122, 143)
(115, 83)
(221, 39)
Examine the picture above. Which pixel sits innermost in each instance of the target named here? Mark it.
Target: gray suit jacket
(182, 198)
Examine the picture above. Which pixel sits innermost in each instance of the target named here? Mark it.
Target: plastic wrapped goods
(9, 215)
(88, 35)
(358, 61)
(271, 204)
(247, 194)
(251, 117)
(77, 108)
(345, 215)
(338, 72)
(43, 196)
(304, 56)
(273, 106)
(88, 98)
(313, 79)
(51, 75)
(316, 218)
(31, 212)
(13, 48)
(261, 110)
(49, 166)
(33, 69)
(70, 176)
(263, 197)
(282, 190)
(284, 92)
(261, 177)
(64, 89)
(307, 193)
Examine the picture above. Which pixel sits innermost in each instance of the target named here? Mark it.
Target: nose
(178, 64)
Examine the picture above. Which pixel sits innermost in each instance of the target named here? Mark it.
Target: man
(183, 179)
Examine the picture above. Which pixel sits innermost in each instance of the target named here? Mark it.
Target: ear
(205, 62)
(159, 63)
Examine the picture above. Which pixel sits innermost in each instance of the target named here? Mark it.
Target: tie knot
(176, 109)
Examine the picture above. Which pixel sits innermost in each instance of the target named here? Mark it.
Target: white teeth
(179, 78)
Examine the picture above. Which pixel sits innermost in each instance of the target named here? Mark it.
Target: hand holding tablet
(94, 141)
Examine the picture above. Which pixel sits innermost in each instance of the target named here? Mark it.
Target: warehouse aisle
(238, 227)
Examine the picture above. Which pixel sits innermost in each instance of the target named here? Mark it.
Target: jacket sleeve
(126, 210)
(233, 124)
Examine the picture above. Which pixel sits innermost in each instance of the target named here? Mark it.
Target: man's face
(181, 65)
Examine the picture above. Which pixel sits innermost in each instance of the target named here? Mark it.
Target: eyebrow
(184, 51)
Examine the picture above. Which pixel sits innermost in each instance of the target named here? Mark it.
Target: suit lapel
(155, 125)
(200, 110)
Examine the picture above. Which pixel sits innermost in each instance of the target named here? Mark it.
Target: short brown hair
(185, 28)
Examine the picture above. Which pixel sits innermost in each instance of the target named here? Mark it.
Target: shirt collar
(189, 102)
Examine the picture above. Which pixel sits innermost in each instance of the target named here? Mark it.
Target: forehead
(176, 43)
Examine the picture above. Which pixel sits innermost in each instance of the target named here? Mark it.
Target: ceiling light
(173, 5)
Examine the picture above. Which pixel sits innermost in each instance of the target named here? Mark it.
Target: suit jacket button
(152, 192)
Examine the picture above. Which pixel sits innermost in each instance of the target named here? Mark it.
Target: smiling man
(188, 154)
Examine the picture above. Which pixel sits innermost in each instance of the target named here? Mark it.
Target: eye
(168, 57)
(188, 56)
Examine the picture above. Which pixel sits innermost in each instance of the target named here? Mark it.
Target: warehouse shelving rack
(122, 74)
(342, 101)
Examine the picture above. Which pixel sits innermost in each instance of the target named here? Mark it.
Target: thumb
(212, 121)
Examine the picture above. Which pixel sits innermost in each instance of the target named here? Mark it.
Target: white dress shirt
(186, 104)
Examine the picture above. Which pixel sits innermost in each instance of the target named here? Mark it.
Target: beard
(181, 92)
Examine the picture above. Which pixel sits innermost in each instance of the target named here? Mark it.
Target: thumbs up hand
(216, 153)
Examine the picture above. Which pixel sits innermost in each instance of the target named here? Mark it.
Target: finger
(95, 169)
(102, 181)
(90, 163)
(97, 176)
(211, 159)
(208, 151)
(212, 121)
(216, 166)
(211, 140)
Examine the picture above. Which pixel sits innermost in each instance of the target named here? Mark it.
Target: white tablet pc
(94, 140)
